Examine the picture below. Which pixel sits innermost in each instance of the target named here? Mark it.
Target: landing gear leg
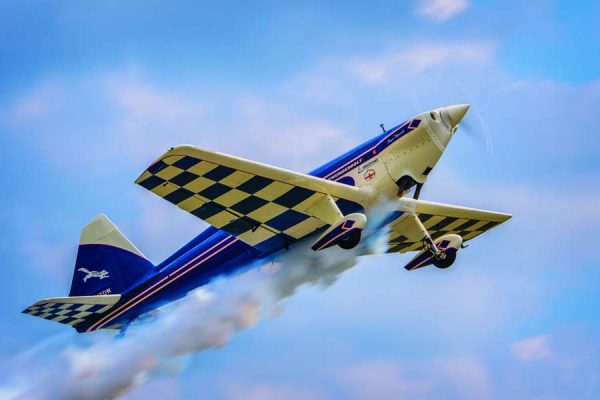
(428, 242)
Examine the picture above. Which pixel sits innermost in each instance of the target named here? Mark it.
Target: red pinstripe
(159, 285)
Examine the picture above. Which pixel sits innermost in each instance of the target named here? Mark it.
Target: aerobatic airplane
(257, 211)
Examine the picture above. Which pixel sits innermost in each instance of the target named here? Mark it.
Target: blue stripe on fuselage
(359, 155)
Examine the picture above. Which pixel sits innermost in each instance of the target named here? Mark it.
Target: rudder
(107, 262)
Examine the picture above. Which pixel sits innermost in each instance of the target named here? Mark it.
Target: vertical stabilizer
(107, 262)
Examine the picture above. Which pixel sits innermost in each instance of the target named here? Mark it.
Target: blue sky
(91, 93)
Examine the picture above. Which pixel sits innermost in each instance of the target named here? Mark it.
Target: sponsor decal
(105, 292)
(377, 148)
(93, 274)
(345, 169)
(366, 165)
(370, 174)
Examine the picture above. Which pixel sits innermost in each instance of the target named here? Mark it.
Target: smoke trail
(205, 318)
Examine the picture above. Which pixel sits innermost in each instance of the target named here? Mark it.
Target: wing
(439, 219)
(262, 205)
(72, 310)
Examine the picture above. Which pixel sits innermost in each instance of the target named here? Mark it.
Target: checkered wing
(260, 204)
(72, 310)
(439, 219)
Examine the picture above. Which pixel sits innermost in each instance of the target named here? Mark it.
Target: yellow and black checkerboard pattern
(403, 237)
(65, 313)
(259, 211)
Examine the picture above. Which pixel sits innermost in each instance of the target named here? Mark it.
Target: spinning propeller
(472, 123)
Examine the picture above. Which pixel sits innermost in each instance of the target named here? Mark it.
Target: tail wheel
(446, 261)
(350, 240)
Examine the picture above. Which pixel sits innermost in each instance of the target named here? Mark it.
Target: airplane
(258, 211)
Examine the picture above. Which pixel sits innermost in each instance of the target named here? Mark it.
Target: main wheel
(446, 261)
(350, 240)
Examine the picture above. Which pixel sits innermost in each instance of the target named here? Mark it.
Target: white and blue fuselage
(387, 166)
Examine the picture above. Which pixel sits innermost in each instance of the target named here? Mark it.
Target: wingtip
(139, 179)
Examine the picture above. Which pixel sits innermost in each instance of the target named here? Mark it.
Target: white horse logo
(93, 274)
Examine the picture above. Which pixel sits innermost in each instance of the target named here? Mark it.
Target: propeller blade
(475, 125)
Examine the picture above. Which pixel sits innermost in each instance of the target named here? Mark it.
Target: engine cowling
(346, 233)
(447, 244)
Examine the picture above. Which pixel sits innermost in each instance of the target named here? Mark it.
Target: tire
(445, 262)
(351, 240)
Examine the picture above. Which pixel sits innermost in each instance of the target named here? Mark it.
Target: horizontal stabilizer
(72, 310)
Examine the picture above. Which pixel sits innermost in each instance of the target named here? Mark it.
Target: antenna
(382, 127)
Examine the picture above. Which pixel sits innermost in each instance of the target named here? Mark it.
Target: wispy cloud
(441, 10)
(43, 100)
(532, 349)
(162, 388)
(383, 380)
(446, 377)
(419, 57)
(120, 116)
(270, 391)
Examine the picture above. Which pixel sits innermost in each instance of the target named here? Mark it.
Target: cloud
(561, 363)
(41, 246)
(121, 118)
(441, 10)
(9, 392)
(465, 377)
(106, 118)
(417, 58)
(290, 139)
(162, 388)
(140, 100)
(444, 377)
(350, 80)
(43, 100)
(382, 380)
(270, 391)
(532, 349)
(149, 119)
(49, 257)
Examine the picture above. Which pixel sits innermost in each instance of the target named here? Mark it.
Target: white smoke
(205, 318)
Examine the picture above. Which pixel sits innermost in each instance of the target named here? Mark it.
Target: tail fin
(107, 263)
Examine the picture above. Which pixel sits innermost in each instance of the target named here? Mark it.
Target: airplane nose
(456, 113)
